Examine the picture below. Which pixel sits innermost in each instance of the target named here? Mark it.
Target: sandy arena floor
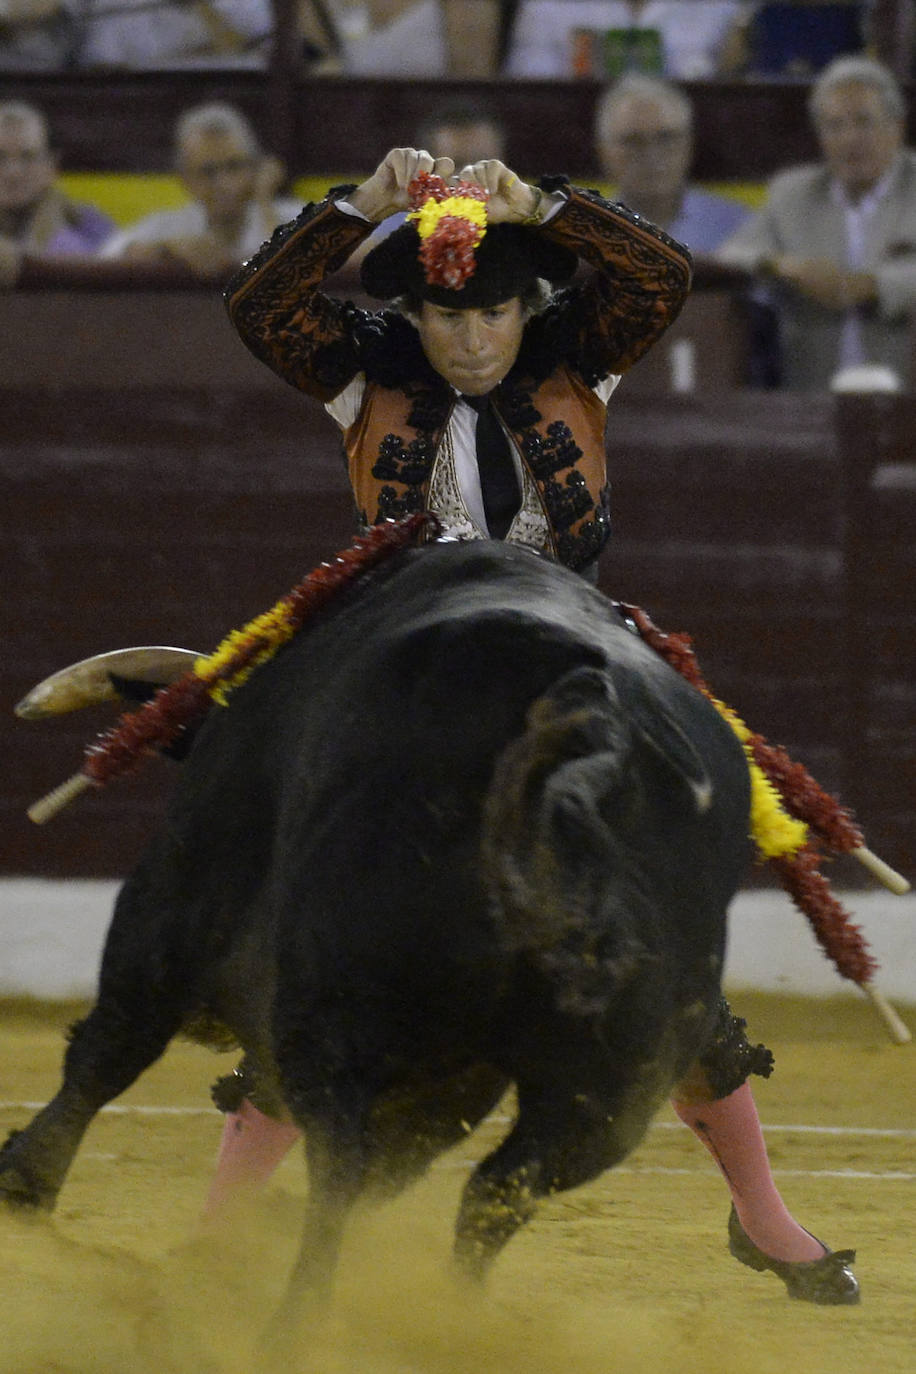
(628, 1274)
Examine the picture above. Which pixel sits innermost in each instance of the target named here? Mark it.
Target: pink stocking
(730, 1130)
(251, 1148)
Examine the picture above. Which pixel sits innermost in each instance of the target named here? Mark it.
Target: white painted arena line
(901, 1132)
(889, 1176)
(867, 1175)
(120, 1109)
(883, 1132)
(644, 1170)
(139, 1109)
(465, 1164)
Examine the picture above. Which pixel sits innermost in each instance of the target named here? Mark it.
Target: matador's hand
(385, 192)
(511, 200)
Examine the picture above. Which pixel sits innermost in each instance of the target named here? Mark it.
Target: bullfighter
(481, 393)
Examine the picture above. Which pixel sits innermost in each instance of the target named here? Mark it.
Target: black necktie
(498, 482)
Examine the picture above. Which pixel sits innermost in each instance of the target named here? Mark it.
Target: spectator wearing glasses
(837, 239)
(233, 207)
(644, 142)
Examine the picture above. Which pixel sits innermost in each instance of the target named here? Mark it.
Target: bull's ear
(657, 727)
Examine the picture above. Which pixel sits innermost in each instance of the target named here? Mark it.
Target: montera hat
(509, 259)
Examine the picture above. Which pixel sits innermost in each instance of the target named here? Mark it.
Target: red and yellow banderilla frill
(790, 813)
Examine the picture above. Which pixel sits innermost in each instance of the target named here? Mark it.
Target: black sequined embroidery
(409, 464)
(393, 507)
(551, 454)
(729, 1058)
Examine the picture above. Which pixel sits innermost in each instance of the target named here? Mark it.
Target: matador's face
(472, 349)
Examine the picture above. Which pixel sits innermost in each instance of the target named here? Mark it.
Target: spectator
(35, 215)
(172, 33)
(454, 38)
(690, 41)
(465, 130)
(459, 38)
(644, 142)
(234, 206)
(837, 239)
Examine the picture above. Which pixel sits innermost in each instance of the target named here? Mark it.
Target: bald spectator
(35, 215)
(837, 238)
(644, 142)
(233, 206)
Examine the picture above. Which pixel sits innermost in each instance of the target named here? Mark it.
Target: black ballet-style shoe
(827, 1280)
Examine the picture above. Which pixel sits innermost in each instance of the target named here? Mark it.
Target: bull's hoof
(18, 1188)
(829, 1280)
(21, 1194)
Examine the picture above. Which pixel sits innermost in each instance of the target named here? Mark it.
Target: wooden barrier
(157, 486)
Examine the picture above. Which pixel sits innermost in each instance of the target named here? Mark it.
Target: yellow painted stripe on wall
(127, 197)
(750, 193)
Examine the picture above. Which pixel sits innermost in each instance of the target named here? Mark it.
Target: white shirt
(190, 221)
(857, 217)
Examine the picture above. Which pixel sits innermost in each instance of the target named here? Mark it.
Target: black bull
(465, 831)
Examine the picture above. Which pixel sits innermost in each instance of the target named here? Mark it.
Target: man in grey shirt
(837, 239)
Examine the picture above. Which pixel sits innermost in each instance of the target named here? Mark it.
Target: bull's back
(341, 794)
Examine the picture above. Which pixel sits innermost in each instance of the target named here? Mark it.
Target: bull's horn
(89, 681)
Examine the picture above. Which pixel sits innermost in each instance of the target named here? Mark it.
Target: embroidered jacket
(546, 402)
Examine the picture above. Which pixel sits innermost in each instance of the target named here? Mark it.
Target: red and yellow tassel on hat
(451, 221)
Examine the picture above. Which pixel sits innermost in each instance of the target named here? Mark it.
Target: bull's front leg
(555, 1144)
(338, 1166)
(106, 1054)
(497, 1201)
(34, 1161)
